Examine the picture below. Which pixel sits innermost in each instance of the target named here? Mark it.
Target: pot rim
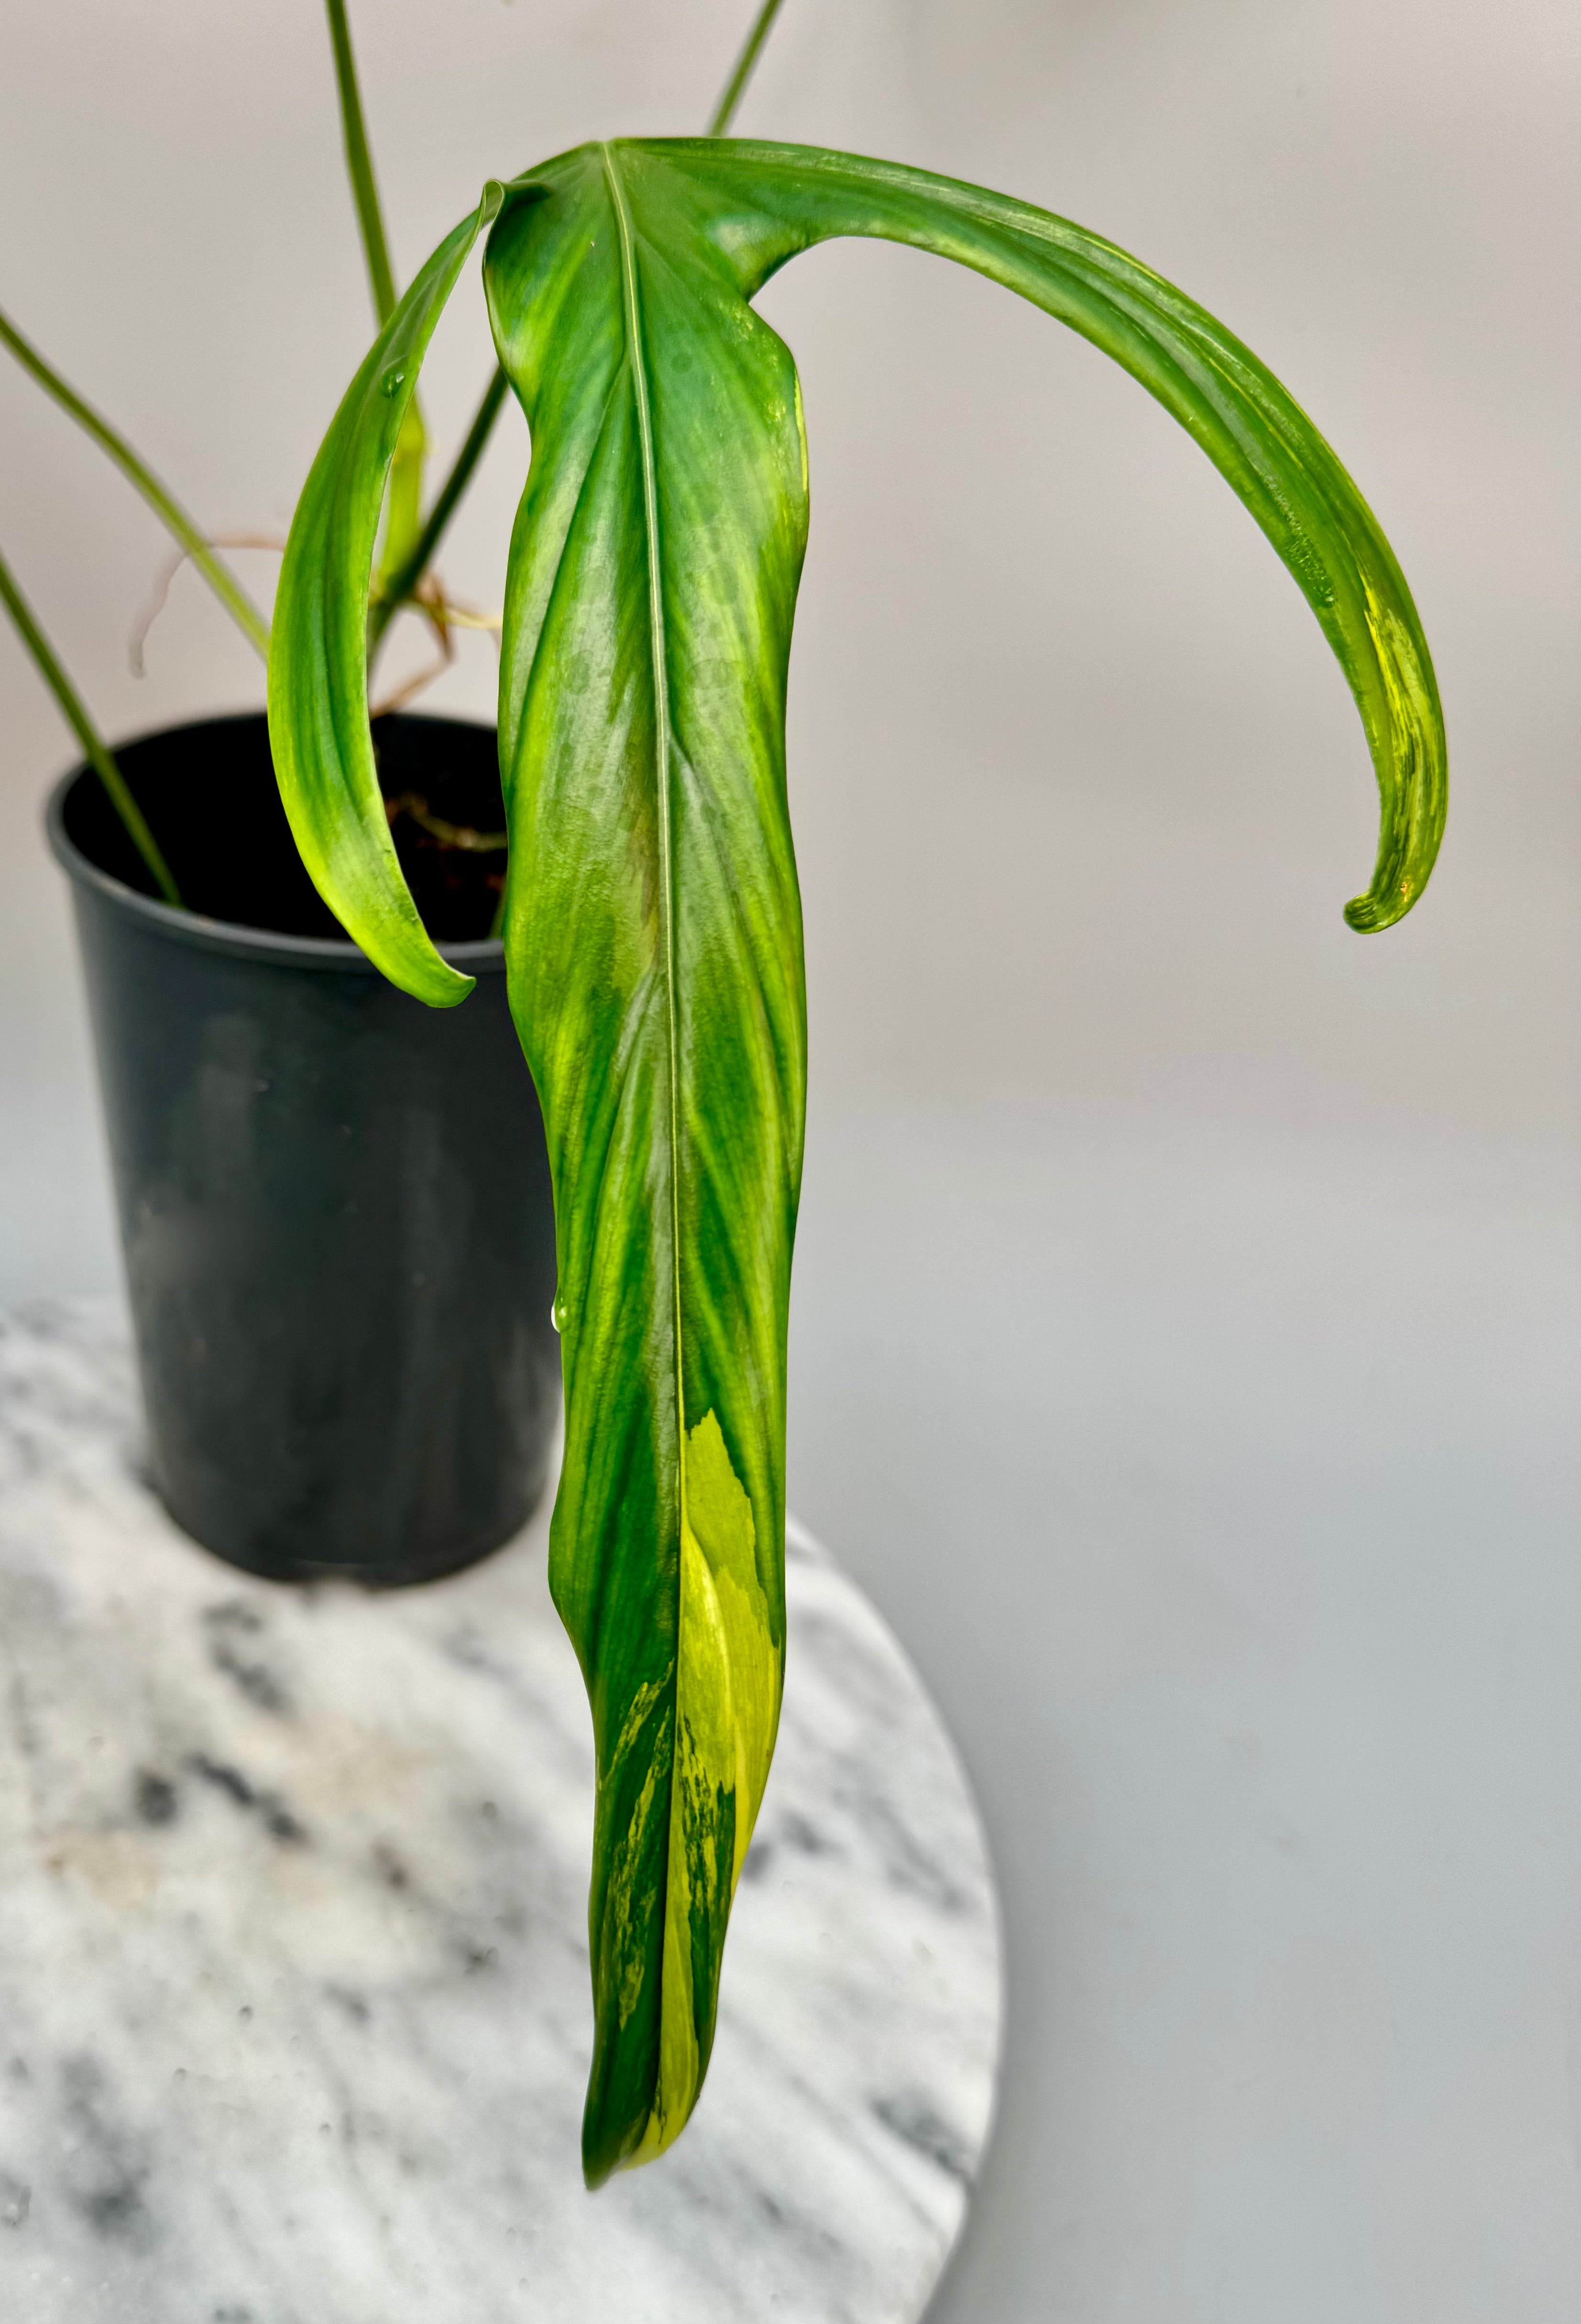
(484, 956)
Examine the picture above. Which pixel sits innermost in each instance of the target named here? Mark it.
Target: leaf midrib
(661, 751)
(661, 733)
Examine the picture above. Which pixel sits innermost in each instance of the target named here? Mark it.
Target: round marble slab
(294, 2014)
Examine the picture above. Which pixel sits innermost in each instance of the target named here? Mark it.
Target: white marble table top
(294, 2017)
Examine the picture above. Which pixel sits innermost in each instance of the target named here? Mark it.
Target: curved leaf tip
(1409, 753)
(762, 203)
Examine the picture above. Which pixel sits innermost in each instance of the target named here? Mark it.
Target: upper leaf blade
(765, 202)
(319, 730)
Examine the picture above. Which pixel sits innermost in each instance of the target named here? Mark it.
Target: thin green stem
(88, 734)
(745, 64)
(360, 164)
(169, 510)
(402, 523)
(400, 585)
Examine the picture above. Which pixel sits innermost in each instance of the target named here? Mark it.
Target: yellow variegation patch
(727, 1710)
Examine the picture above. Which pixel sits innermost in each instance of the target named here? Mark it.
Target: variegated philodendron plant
(652, 925)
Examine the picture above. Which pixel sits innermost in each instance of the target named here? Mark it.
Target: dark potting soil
(210, 796)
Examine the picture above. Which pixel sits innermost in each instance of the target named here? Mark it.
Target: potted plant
(651, 924)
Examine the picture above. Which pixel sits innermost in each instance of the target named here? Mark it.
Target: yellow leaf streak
(622, 1902)
(728, 1709)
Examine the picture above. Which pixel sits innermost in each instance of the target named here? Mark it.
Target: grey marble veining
(294, 2017)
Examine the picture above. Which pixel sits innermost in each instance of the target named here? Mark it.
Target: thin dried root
(172, 565)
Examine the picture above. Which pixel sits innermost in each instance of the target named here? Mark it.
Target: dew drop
(392, 381)
(557, 1314)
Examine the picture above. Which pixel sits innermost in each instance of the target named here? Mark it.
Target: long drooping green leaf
(163, 503)
(653, 927)
(318, 661)
(654, 946)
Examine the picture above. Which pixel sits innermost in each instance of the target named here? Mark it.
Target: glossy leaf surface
(653, 942)
(653, 936)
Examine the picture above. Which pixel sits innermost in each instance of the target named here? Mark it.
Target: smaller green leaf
(318, 664)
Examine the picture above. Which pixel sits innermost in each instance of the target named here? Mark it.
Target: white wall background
(1185, 1339)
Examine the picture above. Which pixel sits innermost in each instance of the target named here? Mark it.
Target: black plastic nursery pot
(334, 1202)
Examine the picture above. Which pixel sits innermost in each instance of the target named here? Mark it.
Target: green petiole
(746, 65)
(402, 522)
(359, 165)
(94, 747)
(165, 506)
